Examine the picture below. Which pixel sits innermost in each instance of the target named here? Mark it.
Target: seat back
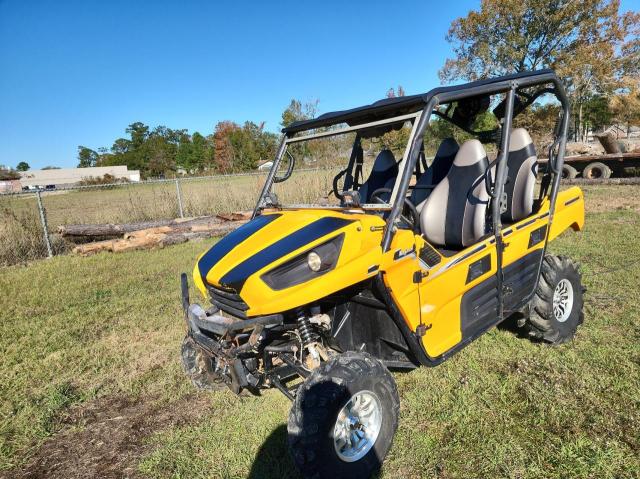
(454, 214)
(522, 164)
(383, 175)
(435, 173)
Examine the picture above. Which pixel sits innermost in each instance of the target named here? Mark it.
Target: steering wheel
(335, 185)
(414, 221)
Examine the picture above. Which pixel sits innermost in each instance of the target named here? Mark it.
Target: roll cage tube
(288, 137)
(432, 99)
(400, 191)
(498, 191)
(272, 173)
(454, 95)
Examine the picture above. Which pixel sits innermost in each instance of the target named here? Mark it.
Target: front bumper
(215, 335)
(202, 325)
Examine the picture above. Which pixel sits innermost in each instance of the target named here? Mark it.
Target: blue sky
(78, 72)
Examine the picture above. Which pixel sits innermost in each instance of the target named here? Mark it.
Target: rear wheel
(569, 172)
(596, 171)
(343, 419)
(556, 309)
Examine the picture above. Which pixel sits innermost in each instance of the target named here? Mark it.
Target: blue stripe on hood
(233, 239)
(319, 228)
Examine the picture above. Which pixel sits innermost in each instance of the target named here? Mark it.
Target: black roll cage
(425, 105)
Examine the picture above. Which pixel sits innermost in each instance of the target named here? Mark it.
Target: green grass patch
(74, 330)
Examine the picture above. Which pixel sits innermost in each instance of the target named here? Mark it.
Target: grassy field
(91, 386)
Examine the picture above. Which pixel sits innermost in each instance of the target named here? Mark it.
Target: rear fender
(569, 212)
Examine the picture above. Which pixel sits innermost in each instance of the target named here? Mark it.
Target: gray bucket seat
(454, 214)
(522, 164)
(383, 175)
(436, 172)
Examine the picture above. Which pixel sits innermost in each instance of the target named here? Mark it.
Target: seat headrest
(448, 147)
(522, 169)
(519, 139)
(384, 161)
(470, 153)
(454, 214)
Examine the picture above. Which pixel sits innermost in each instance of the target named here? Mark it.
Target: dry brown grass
(21, 236)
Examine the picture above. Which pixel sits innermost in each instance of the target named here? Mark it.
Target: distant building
(62, 177)
(10, 186)
(265, 166)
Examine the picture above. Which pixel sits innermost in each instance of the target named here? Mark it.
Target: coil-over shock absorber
(307, 335)
(310, 342)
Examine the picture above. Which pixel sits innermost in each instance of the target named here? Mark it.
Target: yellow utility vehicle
(400, 270)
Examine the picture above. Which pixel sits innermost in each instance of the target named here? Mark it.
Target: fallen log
(608, 142)
(236, 216)
(207, 230)
(157, 237)
(112, 230)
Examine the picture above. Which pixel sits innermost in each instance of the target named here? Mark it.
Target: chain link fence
(29, 220)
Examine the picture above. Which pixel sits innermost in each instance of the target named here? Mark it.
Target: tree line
(163, 151)
(591, 45)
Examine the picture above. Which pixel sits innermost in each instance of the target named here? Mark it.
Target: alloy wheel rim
(562, 300)
(357, 426)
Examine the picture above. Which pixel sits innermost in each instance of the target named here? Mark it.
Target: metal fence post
(179, 198)
(43, 220)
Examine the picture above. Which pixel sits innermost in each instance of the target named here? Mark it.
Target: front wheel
(343, 419)
(198, 366)
(556, 308)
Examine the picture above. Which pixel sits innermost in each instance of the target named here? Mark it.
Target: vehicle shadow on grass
(272, 459)
(510, 324)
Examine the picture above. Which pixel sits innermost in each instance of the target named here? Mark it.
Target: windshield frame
(287, 139)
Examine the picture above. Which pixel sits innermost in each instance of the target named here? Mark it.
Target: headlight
(314, 261)
(306, 266)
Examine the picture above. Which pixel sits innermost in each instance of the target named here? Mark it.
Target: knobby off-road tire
(317, 419)
(556, 309)
(197, 366)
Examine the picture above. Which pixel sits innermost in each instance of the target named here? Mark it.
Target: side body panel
(569, 212)
(457, 297)
(468, 272)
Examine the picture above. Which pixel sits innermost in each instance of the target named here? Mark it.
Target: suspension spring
(306, 331)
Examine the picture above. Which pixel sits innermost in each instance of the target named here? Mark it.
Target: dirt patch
(107, 437)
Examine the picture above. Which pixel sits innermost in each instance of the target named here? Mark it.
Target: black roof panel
(390, 107)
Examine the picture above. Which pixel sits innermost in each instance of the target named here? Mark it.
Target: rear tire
(343, 419)
(556, 309)
(596, 171)
(569, 172)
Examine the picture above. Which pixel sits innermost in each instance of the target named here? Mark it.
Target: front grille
(228, 301)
